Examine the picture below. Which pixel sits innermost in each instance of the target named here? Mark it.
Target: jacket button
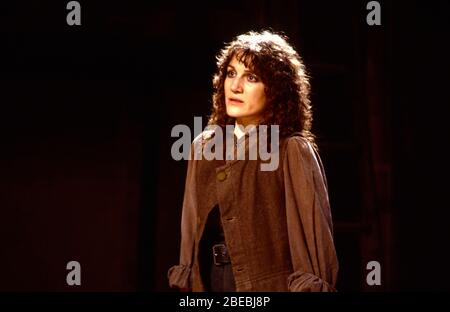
(221, 176)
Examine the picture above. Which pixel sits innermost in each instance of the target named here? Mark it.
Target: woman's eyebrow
(245, 71)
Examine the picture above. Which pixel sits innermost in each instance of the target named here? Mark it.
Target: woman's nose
(236, 86)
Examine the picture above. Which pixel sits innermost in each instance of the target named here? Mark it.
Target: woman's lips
(235, 101)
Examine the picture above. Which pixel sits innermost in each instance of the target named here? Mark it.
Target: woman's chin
(233, 114)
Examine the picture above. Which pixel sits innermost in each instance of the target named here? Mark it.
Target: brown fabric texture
(277, 224)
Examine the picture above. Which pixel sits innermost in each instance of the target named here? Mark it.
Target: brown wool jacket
(277, 224)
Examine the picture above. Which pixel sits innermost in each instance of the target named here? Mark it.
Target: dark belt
(220, 254)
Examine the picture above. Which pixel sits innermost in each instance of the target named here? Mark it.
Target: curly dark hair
(283, 73)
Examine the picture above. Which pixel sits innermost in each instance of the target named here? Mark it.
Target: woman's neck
(240, 130)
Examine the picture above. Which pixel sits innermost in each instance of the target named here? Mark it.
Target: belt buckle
(220, 254)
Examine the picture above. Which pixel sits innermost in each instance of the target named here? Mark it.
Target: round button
(221, 176)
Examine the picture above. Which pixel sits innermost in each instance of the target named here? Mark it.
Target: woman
(243, 228)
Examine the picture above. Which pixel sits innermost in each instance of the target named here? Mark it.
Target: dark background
(86, 113)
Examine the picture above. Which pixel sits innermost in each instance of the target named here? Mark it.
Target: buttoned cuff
(300, 281)
(178, 276)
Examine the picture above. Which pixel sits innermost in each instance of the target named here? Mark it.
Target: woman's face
(245, 97)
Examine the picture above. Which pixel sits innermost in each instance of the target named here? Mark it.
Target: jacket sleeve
(179, 275)
(309, 222)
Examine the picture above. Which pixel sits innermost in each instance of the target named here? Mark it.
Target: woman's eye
(252, 78)
(231, 73)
